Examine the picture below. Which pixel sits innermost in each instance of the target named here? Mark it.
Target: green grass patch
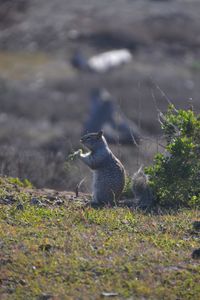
(71, 252)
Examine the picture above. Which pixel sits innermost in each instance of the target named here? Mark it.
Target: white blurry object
(107, 60)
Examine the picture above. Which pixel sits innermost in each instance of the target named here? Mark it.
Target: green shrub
(175, 175)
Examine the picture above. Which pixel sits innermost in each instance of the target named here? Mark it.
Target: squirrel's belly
(108, 184)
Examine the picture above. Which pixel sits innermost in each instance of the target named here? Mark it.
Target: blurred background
(48, 87)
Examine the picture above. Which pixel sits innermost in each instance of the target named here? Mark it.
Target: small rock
(11, 199)
(20, 206)
(196, 254)
(7, 200)
(47, 202)
(45, 247)
(4, 262)
(196, 225)
(22, 282)
(51, 198)
(111, 294)
(35, 201)
(59, 202)
(44, 296)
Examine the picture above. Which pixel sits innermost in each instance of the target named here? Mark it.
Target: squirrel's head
(93, 140)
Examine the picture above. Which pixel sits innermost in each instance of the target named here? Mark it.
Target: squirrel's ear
(100, 133)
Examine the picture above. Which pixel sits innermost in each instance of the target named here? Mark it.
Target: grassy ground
(54, 248)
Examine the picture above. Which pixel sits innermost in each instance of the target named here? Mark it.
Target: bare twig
(163, 94)
(78, 187)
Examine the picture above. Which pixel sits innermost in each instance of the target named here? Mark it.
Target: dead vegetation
(45, 101)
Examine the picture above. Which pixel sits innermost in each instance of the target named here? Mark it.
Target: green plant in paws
(74, 155)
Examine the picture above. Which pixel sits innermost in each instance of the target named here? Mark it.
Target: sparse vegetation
(42, 96)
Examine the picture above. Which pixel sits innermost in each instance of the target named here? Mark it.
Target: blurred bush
(10, 10)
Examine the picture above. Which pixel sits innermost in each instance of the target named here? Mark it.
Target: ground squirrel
(108, 172)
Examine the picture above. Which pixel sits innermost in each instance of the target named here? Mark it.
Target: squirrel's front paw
(78, 152)
(75, 154)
